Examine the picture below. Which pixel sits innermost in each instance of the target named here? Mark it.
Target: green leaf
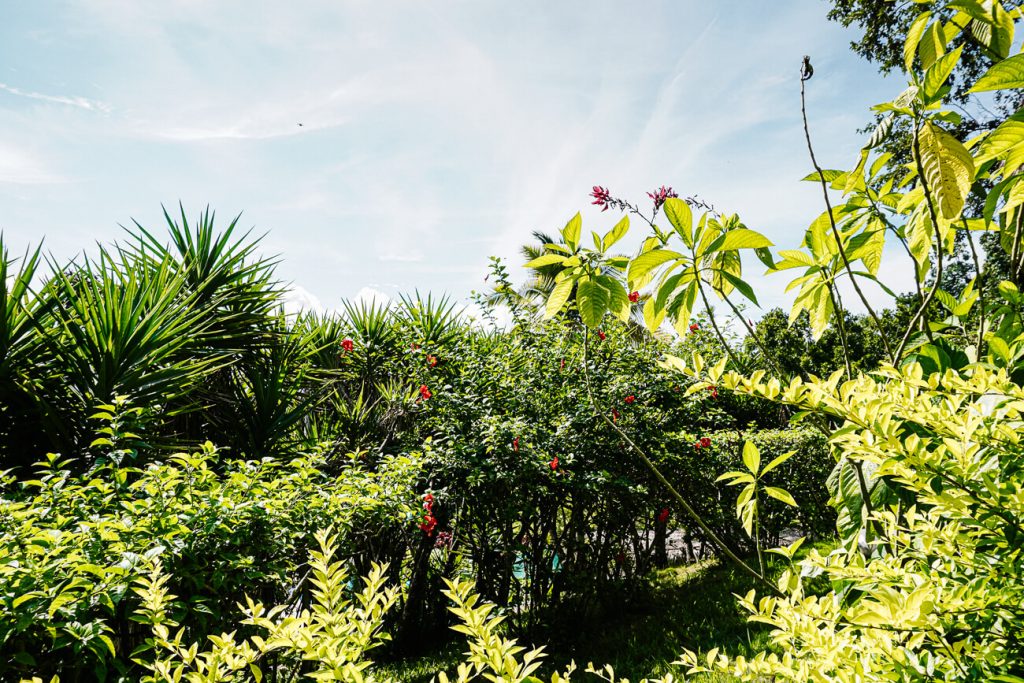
(648, 261)
(939, 72)
(740, 284)
(615, 234)
(592, 300)
(948, 168)
(740, 238)
(653, 317)
(545, 260)
(571, 231)
(933, 45)
(780, 494)
(914, 39)
(1005, 75)
(751, 457)
(681, 217)
(559, 295)
(880, 133)
(778, 461)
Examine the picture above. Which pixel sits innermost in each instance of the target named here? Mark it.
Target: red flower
(629, 399)
(663, 516)
(428, 498)
(615, 415)
(428, 525)
(634, 297)
(602, 197)
(347, 344)
(705, 442)
(424, 392)
(414, 346)
(601, 334)
(515, 444)
(554, 463)
(561, 365)
(694, 327)
(432, 361)
(714, 390)
(660, 195)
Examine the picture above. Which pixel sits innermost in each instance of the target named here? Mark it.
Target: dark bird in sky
(300, 125)
(806, 70)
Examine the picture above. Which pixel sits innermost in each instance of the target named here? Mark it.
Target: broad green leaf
(948, 168)
(653, 317)
(681, 308)
(648, 261)
(546, 260)
(616, 233)
(618, 297)
(1005, 75)
(559, 295)
(855, 180)
(740, 238)
(681, 217)
(741, 285)
(932, 46)
(914, 38)
(939, 72)
(592, 300)
(777, 461)
(571, 231)
(829, 174)
(880, 133)
(751, 457)
(780, 494)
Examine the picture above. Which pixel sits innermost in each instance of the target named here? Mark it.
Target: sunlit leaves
(681, 218)
(1005, 75)
(948, 168)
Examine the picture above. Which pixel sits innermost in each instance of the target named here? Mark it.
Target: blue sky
(434, 133)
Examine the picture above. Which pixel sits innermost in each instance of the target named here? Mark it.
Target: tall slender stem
(832, 222)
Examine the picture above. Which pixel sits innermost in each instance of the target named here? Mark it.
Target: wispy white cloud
(73, 101)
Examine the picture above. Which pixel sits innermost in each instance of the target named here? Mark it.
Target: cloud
(298, 300)
(21, 167)
(371, 297)
(80, 102)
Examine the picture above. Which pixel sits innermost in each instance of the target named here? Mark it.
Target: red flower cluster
(660, 195)
(554, 463)
(429, 522)
(515, 444)
(702, 442)
(663, 515)
(634, 297)
(615, 415)
(444, 539)
(425, 393)
(601, 334)
(414, 346)
(431, 361)
(347, 344)
(694, 327)
(714, 390)
(602, 197)
(630, 399)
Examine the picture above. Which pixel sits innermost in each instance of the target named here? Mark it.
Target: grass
(688, 607)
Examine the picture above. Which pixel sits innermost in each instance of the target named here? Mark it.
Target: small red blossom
(428, 498)
(561, 365)
(615, 415)
(714, 390)
(634, 297)
(515, 444)
(428, 525)
(660, 195)
(602, 197)
(630, 399)
(702, 442)
(554, 463)
(694, 327)
(347, 344)
(663, 516)
(601, 334)
(425, 393)
(414, 346)
(431, 360)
